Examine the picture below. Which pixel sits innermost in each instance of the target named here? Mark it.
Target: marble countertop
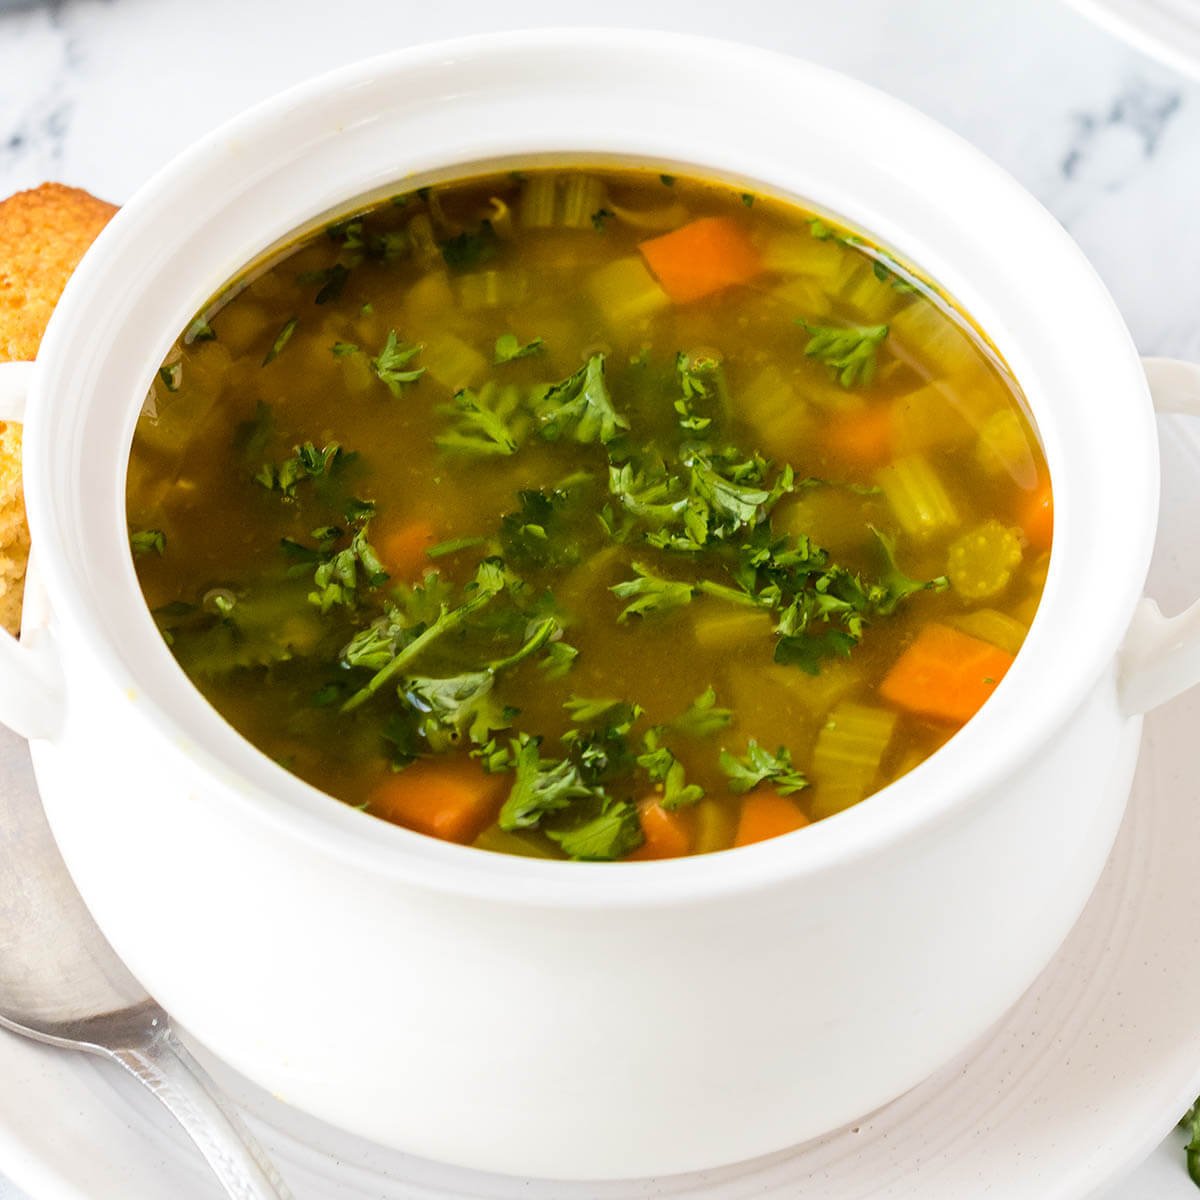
(100, 93)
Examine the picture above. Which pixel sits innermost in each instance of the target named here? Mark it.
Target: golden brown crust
(43, 235)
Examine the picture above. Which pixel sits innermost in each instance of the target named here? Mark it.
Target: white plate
(1168, 30)
(1076, 1085)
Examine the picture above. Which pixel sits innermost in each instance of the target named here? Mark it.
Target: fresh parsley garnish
(612, 833)
(703, 717)
(508, 348)
(148, 541)
(391, 362)
(471, 249)
(281, 340)
(306, 462)
(760, 766)
(580, 407)
(849, 353)
(650, 593)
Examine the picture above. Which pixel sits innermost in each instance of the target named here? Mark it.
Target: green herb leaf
(558, 660)
(390, 362)
(612, 833)
(895, 585)
(489, 422)
(509, 349)
(342, 349)
(171, 376)
(453, 546)
(469, 250)
(650, 593)
(760, 766)
(306, 462)
(580, 407)
(281, 340)
(148, 541)
(334, 283)
(600, 216)
(541, 786)
(665, 769)
(849, 353)
(702, 717)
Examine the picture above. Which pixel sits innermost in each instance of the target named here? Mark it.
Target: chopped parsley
(760, 766)
(509, 348)
(148, 541)
(849, 353)
(391, 363)
(306, 462)
(281, 340)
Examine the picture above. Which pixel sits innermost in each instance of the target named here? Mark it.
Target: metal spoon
(62, 983)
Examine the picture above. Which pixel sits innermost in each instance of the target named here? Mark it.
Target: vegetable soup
(589, 514)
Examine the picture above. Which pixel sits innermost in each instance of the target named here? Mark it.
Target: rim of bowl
(901, 811)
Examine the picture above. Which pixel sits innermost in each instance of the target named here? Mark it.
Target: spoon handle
(181, 1083)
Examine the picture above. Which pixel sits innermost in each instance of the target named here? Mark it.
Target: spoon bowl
(61, 983)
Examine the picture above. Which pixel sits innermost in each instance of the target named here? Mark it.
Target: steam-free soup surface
(589, 514)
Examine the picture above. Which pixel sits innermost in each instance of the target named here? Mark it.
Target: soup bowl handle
(31, 693)
(1161, 655)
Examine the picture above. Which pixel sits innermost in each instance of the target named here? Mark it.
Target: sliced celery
(429, 300)
(935, 340)
(652, 220)
(991, 625)
(803, 294)
(528, 845)
(918, 497)
(848, 754)
(626, 293)
(725, 627)
(492, 289)
(929, 417)
(872, 299)
(788, 253)
(357, 376)
(716, 825)
(981, 562)
(452, 362)
(817, 694)
(833, 517)
(582, 197)
(539, 201)
(1003, 448)
(773, 406)
(424, 244)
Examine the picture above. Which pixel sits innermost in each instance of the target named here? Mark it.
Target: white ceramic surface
(330, 919)
(1167, 29)
(1064, 1094)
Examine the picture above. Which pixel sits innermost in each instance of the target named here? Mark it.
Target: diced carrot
(666, 833)
(767, 814)
(402, 547)
(945, 674)
(1037, 517)
(701, 257)
(454, 801)
(863, 437)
